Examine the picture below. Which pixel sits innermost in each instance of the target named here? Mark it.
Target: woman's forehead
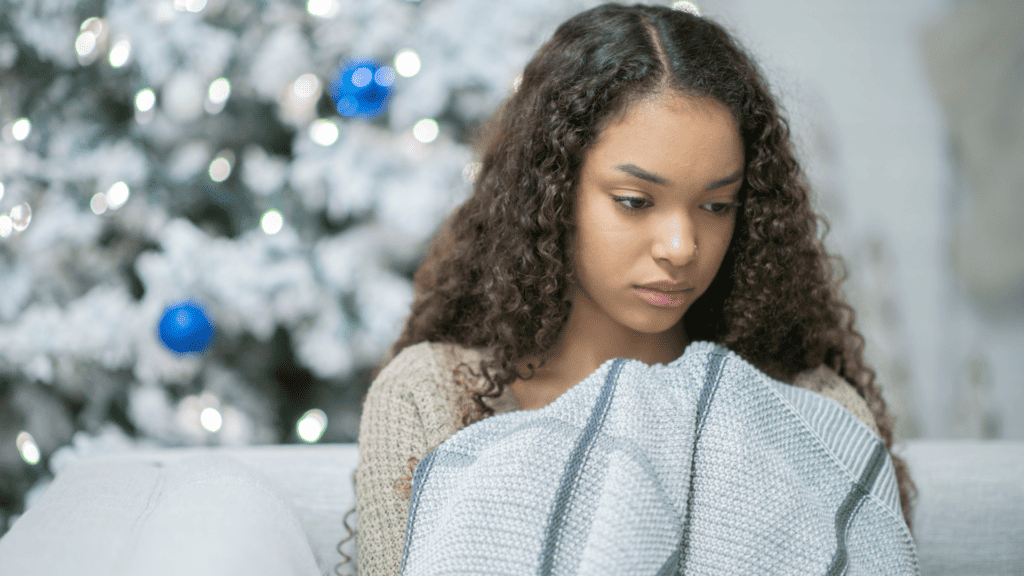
(671, 134)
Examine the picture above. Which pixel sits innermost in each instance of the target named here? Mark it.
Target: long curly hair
(498, 276)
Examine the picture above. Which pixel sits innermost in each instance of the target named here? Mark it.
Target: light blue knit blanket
(701, 466)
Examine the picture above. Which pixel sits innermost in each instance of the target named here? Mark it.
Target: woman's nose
(676, 241)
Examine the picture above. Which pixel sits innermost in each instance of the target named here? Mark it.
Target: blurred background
(211, 210)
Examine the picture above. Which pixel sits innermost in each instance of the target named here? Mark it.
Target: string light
(85, 43)
(21, 128)
(27, 447)
(91, 40)
(425, 130)
(21, 216)
(98, 203)
(120, 52)
(189, 5)
(217, 95)
(6, 226)
(117, 194)
(271, 222)
(210, 419)
(306, 86)
(385, 76)
(322, 8)
(311, 425)
(324, 132)
(145, 99)
(407, 62)
(220, 168)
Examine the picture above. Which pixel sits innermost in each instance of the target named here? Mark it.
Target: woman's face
(679, 161)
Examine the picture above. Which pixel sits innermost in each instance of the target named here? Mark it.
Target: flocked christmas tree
(211, 210)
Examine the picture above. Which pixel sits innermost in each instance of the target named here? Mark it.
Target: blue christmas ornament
(362, 88)
(185, 327)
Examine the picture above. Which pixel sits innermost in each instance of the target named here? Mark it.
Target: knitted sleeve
(391, 430)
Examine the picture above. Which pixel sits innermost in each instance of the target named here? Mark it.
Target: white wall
(851, 76)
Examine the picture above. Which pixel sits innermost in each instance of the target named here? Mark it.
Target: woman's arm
(390, 431)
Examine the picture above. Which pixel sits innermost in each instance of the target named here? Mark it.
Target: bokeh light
(210, 419)
(361, 76)
(21, 216)
(98, 203)
(385, 76)
(425, 130)
(407, 62)
(311, 425)
(120, 52)
(117, 194)
(27, 447)
(306, 86)
(113, 198)
(21, 128)
(298, 101)
(219, 90)
(6, 226)
(145, 99)
(322, 8)
(271, 222)
(91, 40)
(220, 168)
(217, 96)
(85, 43)
(93, 24)
(189, 5)
(356, 92)
(324, 132)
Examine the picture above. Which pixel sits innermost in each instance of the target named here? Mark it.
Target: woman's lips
(659, 298)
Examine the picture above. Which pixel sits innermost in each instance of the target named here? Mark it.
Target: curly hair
(498, 275)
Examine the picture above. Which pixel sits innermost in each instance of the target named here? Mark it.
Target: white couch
(278, 510)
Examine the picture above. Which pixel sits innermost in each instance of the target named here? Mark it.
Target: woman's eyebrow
(660, 180)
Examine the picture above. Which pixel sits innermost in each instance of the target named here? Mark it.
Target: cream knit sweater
(414, 405)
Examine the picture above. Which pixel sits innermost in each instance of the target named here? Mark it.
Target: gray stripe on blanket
(571, 475)
(853, 501)
(677, 561)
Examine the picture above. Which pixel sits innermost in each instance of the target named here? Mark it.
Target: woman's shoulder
(432, 373)
(417, 382)
(460, 372)
(827, 382)
(412, 378)
(409, 368)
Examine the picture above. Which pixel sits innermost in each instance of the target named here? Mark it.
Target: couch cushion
(205, 514)
(970, 509)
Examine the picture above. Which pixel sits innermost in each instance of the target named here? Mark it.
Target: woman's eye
(718, 208)
(721, 207)
(621, 199)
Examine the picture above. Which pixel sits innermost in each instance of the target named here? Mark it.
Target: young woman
(637, 192)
